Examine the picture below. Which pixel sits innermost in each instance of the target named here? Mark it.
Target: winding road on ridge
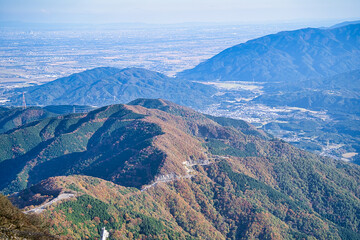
(41, 208)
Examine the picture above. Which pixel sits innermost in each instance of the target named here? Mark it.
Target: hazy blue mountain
(342, 24)
(104, 86)
(286, 56)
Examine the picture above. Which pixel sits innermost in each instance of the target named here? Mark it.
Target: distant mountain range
(104, 86)
(316, 69)
(285, 57)
(306, 55)
(156, 169)
(346, 23)
(153, 169)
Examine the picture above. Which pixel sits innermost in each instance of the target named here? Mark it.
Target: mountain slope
(47, 148)
(216, 203)
(200, 176)
(11, 118)
(285, 56)
(342, 24)
(104, 86)
(15, 117)
(16, 225)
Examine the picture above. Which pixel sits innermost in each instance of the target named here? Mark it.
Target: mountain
(342, 24)
(285, 57)
(159, 170)
(11, 118)
(104, 86)
(16, 225)
(94, 143)
(311, 69)
(15, 117)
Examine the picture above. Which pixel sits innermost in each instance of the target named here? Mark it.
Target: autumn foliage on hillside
(16, 225)
(202, 178)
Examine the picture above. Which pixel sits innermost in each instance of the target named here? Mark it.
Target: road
(172, 176)
(41, 208)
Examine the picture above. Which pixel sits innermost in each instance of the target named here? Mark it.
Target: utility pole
(23, 101)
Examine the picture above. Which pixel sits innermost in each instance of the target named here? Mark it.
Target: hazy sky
(176, 11)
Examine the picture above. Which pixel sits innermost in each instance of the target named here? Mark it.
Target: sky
(176, 11)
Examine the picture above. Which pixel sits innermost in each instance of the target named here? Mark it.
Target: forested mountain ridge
(93, 143)
(287, 56)
(16, 117)
(200, 176)
(104, 85)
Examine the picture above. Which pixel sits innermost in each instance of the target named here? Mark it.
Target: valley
(299, 126)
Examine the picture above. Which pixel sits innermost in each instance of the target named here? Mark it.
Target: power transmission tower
(23, 102)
